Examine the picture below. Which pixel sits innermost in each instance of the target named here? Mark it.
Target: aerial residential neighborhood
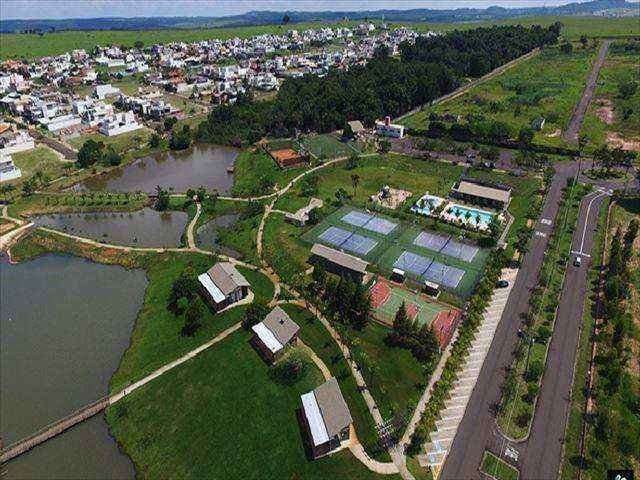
(320, 240)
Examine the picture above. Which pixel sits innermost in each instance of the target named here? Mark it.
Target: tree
(29, 187)
(162, 199)
(289, 371)
(341, 195)
(139, 44)
(384, 146)
(352, 162)
(286, 19)
(355, 180)
(427, 346)
(566, 48)
(181, 138)
(193, 316)
(185, 286)
(5, 190)
(111, 157)
(347, 131)
(525, 136)
(90, 153)
(169, 123)
(254, 314)
(402, 327)
(154, 140)
(584, 41)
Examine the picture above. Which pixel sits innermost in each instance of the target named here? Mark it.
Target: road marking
(512, 453)
(540, 234)
(586, 220)
(546, 221)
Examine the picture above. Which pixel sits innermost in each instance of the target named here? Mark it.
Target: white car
(577, 261)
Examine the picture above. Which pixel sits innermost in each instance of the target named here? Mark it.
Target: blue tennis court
(334, 236)
(359, 244)
(410, 262)
(432, 241)
(460, 250)
(443, 274)
(380, 225)
(354, 217)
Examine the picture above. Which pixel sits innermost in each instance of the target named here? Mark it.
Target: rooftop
(340, 258)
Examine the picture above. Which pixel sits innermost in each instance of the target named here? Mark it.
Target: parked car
(502, 284)
(577, 261)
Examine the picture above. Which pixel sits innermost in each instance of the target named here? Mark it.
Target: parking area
(451, 416)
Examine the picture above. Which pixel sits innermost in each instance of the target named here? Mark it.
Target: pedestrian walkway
(442, 437)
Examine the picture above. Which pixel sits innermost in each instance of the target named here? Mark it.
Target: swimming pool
(426, 204)
(472, 216)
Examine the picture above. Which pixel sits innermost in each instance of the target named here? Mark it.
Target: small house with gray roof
(326, 418)
(223, 285)
(274, 334)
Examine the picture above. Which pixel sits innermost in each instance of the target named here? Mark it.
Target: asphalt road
(477, 429)
(543, 451)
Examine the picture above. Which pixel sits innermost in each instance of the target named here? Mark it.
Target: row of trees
(616, 421)
(431, 68)
(422, 341)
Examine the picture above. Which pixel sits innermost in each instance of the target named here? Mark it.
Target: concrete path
(191, 243)
(170, 366)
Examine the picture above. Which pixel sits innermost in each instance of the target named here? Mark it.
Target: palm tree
(478, 218)
(355, 179)
(467, 216)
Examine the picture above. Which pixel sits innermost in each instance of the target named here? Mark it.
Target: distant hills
(272, 17)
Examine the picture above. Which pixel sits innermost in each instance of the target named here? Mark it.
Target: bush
(289, 371)
(534, 372)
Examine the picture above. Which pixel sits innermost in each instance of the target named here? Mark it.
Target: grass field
(123, 143)
(397, 171)
(256, 173)
(497, 468)
(41, 159)
(610, 113)
(222, 416)
(33, 45)
(389, 247)
(328, 146)
(547, 86)
(156, 338)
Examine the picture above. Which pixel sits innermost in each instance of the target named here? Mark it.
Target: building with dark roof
(338, 262)
(272, 335)
(326, 418)
(223, 285)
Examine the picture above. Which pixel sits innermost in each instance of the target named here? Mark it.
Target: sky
(56, 9)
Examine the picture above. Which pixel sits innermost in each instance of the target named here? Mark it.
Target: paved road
(477, 428)
(543, 451)
(572, 131)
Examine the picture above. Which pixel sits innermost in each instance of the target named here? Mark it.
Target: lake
(144, 228)
(200, 165)
(65, 324)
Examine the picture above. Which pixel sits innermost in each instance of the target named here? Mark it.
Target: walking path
(572, 131)
(191, 243)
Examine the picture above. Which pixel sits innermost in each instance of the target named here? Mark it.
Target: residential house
(272, 335)
(118, 123)
(103, 91)
(387, 129)
(223, 285)
(326, 418)
(13, 142)
(8, 170)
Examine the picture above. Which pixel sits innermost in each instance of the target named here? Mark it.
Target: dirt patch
(614, 139)
(605, 111)
(555, 133)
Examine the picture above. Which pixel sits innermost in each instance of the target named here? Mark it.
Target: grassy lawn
(255, 173)
(549, 85)
(313, 333)
(221, 416)
(283, 248)
(396, 379)
(497, 468)
(397, 171)
(620, 66)
(328, 146)
(518, 404)
(40, 159)
(156, 338)
(123, 143)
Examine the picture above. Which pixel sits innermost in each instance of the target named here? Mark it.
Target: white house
(388, 129)
(8, 170)
(118, 123)
(62, 121)
(21, 141)
(103, 91)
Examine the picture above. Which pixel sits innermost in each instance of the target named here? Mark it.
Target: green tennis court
(386, 310)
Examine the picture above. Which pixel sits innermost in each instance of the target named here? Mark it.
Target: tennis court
(387, 298)
(334, 236)
(432, 241)
(348, 240)
(369, 222)
(460, 250)
(443, 274)
(411, 262)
